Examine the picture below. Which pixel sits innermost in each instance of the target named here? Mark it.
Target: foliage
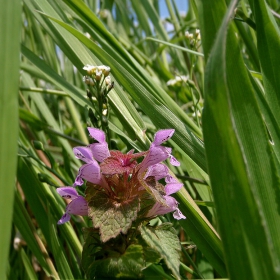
(217, 87)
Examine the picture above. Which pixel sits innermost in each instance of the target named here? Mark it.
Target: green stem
(192, 262)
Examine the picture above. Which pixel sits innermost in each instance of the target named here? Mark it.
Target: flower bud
(90, 69)
(98, 75)
(197, 34)
(108, 80)
(105, 70)
(38, 145)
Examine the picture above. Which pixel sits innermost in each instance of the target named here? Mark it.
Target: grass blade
(10, 15)
(241, 166)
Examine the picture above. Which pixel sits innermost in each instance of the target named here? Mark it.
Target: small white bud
(86, 79)
(90, 69)
(108, 80)
(197, 34)
(105, 69)
(98, 75)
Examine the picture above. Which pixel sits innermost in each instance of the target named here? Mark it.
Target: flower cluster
(122, 180)
(95, 73)
(193, 38)
(178, 81)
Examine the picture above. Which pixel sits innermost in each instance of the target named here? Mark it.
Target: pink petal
(78, 206)
(178, 215)
(100, 151)
(67, 192)
(65, 218)
(172, 188)
(171, 202)
(170, 179)
(97, 134)
(174, 161)
(155, 155)
(162, 136)
(159, 209)
(78, 181)
(90, 172)
(158, 170)
(83, 153)
(130, 152)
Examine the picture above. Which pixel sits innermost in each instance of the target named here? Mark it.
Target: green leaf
(10, 15)
(113, 259)
(111, 216)
(175, 46)
(268, 43)
(241, 162)
(61, 262)
(31, 274)
(210, 15)
(31, 119)
(164, 239)
(201, 231)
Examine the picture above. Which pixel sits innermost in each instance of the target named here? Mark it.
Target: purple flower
(77, 206)
(172, 205)
(99, 150)
(160, 171)
(158, 153)
(89, 171)
(123, 178)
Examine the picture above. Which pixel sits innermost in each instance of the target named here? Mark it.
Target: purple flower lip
(77, 206)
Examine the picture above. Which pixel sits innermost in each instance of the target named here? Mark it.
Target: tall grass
(224, 107)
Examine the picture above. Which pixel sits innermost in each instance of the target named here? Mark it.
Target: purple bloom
(89, 171)
(160, 171)
(158, 153)
(172, 205)
(99, 150)
(77, 206)
(124, 178)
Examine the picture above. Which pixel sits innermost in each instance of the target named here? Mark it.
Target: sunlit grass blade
(268, 43)
(10, 15)
(31, 274)
(175, 46)
(240, 160)
(62, 264)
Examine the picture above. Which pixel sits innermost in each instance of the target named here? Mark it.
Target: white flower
(105, 69)
(98, 75)
(177, 81)
(88, 80)
(197, 34)
(108, 80)
(90, 69)
(187, 34)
